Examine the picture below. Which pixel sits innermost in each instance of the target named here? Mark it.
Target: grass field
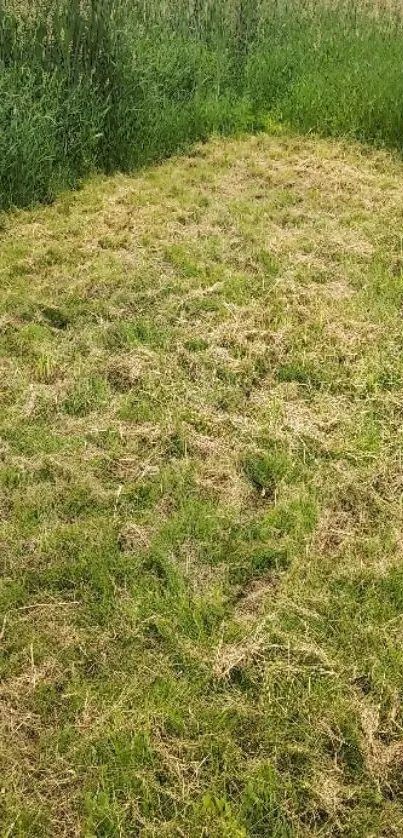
(201, 607)
(111, 85)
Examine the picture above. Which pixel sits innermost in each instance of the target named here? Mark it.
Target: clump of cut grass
(200, 499)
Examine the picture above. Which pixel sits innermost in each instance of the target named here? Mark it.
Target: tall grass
(111, 84)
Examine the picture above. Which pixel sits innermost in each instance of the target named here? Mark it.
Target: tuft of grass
(200, 497)
(265, 469)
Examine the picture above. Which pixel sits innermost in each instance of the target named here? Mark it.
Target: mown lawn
(201, 607)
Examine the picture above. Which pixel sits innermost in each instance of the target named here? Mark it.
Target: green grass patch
(200, 491)
(109, 85)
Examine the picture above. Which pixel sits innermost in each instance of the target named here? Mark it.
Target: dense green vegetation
(112, 84)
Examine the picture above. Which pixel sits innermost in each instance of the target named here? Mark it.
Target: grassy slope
(202, 590)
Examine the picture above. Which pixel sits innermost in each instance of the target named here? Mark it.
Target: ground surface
(201, 608)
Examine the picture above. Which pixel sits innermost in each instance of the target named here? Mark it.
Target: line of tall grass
(112, 84)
